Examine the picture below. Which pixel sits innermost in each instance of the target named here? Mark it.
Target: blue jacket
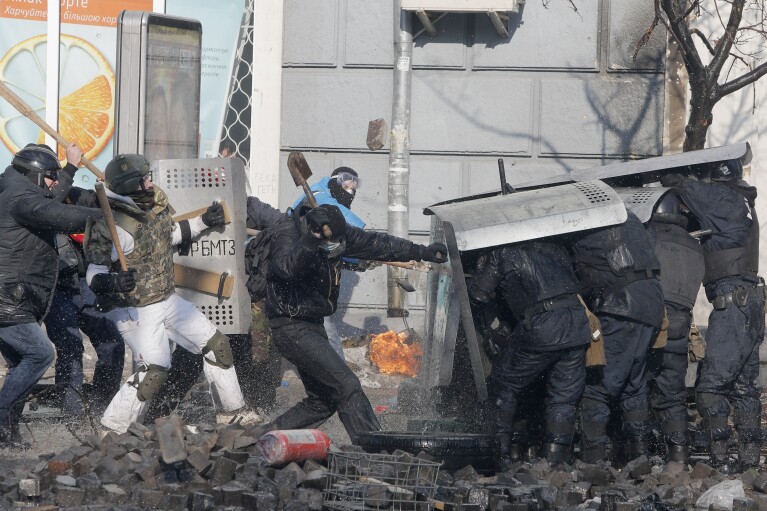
(322, 196)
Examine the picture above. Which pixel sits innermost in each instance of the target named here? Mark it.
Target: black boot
(636, 447)
(748, 455)
(10, 438)
(679, 453)
(720, 459)
(592, 453)
(555, 454)
(503, 451)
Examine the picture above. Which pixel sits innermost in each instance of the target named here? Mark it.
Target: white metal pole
(264, 172)
(52, 74)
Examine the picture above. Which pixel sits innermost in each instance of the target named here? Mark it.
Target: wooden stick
(110, 220)
(27, 111)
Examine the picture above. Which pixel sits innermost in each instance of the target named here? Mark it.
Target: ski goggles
(348, 181)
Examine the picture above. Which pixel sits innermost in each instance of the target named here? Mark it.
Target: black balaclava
(337, 191)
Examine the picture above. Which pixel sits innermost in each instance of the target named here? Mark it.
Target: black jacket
(303, 284)
(534, 271)
(617, 269)
(29, 220)
(262, 215)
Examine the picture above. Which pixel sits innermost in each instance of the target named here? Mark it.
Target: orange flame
(390, 354)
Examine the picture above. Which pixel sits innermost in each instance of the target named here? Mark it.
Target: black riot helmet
(126, 173)
(670, 210)
(37, 161)
(727, 170)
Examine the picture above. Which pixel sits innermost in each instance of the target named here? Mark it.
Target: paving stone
(227, 437)
(109, 470)
(56, 467)
(66, 480)
(701, 471)
(29, 488)
(467, 473)
(114, 494)
(316, 479)
(594, 474)
(69, 497)
(229, 494)
(151, 498)
(262, 501)
(638, 467)
(140, 431)
(89, 482)
(744, 505)
(292, 475)
(203, 502)
(170, 437)
(223, 471)
(241, 457)
(175, 502)
(312, 498)
(311, 466)
(760, 483)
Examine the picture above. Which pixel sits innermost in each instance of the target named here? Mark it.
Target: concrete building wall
(561, 92)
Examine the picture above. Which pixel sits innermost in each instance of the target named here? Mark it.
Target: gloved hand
(672, 179)
(214, 216)
(124, 281)
(327, 221)
(435, 253)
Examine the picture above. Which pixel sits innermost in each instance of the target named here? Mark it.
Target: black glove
(120, 281)
(672, 179)
(214, 216)
(326, 215)
(435, 253)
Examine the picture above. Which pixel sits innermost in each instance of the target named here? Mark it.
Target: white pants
(147, 331)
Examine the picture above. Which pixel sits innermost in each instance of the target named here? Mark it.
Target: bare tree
(710, 82)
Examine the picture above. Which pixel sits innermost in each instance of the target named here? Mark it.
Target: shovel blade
(299, 168)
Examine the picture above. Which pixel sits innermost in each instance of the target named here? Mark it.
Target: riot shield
(212, 275)
(526, 215)
(642, 201)
(741, 151)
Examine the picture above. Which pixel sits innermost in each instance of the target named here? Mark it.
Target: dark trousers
(28, 353)
(63, 324)
(729, 372)
(666, 372)
(330, 385)
(565, 372)
(620, 383)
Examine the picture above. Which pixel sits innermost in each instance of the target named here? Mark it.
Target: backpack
(257, 263)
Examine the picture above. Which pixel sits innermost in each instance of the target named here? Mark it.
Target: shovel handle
(27, 111)
(110, 221)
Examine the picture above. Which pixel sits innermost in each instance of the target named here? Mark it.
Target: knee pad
(219, 346)
(153, 381)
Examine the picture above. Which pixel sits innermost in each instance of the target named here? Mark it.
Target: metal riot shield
(741, 151)
(212, 275)
(642, 201)
(526, 215)
(447, 310)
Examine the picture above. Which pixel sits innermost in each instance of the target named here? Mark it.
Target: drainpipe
(399, 148)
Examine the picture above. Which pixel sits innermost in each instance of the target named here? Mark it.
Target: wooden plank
(204, 281)
(198, 212)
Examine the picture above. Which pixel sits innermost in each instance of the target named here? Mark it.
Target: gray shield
(196, 184)
(501, 219)
(741, 151)
(642, 201)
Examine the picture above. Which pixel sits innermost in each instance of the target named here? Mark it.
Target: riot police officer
(724, 204)
(551, 334)
(618, 274)
(681, 262)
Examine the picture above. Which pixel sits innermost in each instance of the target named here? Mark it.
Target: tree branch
(677, 26)
(700, 35)
(724, 45)
(741, 81)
